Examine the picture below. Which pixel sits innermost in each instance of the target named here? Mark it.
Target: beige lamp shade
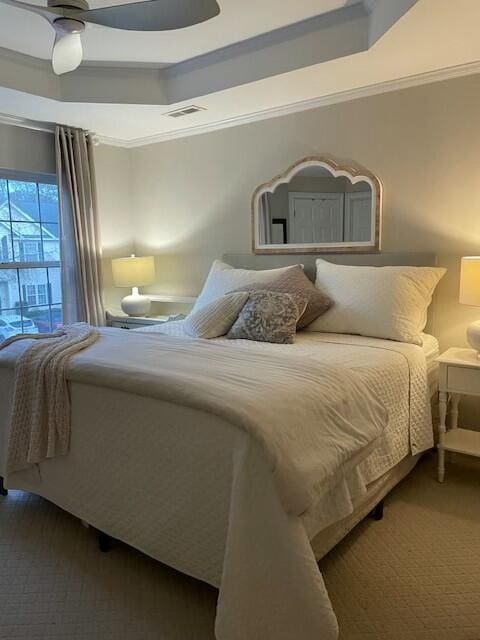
(470, 281)
(133, 271)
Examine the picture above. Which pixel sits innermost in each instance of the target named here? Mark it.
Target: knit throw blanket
(40, 414)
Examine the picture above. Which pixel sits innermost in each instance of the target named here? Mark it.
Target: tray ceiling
(30, 34)
(432, 40)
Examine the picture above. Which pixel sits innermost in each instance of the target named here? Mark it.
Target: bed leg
(377, 513)
(3, 491)
(104, 542)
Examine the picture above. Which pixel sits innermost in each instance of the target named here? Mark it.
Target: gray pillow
(295, 282)
(223, 278)
(216, 317)
(268, 316)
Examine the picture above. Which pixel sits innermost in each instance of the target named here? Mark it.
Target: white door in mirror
(316, 217)
(358, 217)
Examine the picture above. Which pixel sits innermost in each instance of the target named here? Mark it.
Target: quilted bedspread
(200, 486)
(395, 371)
(313, 420)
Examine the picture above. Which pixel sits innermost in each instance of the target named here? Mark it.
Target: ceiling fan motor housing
(68, 25)
(80, 5)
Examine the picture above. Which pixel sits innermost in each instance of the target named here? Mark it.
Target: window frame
(37, 178)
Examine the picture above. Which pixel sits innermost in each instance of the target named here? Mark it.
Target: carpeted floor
(413, 576)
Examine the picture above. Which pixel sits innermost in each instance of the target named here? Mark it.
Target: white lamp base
(136, 304)
(473, 335)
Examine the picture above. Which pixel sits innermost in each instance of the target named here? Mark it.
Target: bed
(381, 363)
(195, 492)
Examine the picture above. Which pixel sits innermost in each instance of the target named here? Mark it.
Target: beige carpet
(413, 576)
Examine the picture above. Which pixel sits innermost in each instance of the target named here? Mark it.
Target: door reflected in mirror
(315, 206)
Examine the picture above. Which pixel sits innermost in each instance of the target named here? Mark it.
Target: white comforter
(395, 371)
(194, 491)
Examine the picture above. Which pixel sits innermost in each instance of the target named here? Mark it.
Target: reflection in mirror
(315, 206)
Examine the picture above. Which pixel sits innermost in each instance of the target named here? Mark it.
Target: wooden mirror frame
(354, 174)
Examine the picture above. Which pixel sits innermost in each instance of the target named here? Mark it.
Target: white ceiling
(239, 19)
(432, 36)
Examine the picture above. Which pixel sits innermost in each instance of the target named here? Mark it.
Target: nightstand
(459, 375)
(122, 321)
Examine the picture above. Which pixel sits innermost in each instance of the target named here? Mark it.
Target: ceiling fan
(68, 18)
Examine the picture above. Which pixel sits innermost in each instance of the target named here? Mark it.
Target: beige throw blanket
(40, 415)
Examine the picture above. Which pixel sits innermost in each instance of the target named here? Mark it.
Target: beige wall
(326, 185)
(26, 150)
(191, 197)
(114, 178)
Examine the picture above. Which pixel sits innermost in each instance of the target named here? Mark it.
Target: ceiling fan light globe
(67, 53)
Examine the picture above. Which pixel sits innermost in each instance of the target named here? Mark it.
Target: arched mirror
(318, 206)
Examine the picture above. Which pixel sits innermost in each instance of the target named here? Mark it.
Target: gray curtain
(265, 219)
(80, 238)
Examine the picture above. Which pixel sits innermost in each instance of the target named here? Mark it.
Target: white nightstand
(459, 375)
(122, 321)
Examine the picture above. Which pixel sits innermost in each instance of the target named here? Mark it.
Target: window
(30, 283)
(42, 294)
(35, 294)
(30, 251)
(4, 254)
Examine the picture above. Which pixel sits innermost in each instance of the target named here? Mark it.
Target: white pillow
(223, 278)
(215, 318)
(382, 302)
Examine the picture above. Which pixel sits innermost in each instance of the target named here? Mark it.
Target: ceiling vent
(184, 111)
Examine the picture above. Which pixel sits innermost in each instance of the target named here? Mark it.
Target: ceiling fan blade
(67, 53)
(153, 15)
(50, 13)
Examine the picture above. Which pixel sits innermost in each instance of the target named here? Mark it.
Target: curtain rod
(17, 121)
(46, 127)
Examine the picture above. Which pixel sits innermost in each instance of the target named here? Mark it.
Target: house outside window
(35, 294)
(30, 282)
(29, 293)
(30, 251)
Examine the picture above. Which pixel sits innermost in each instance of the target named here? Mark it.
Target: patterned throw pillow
(295, 282)
(216, 317)
(268, 316)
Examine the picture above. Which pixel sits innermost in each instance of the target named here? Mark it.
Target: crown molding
(275, 112)
(304, 105)
(16, 121)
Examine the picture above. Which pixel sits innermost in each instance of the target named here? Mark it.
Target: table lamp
(134, 272)
(470, 294)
